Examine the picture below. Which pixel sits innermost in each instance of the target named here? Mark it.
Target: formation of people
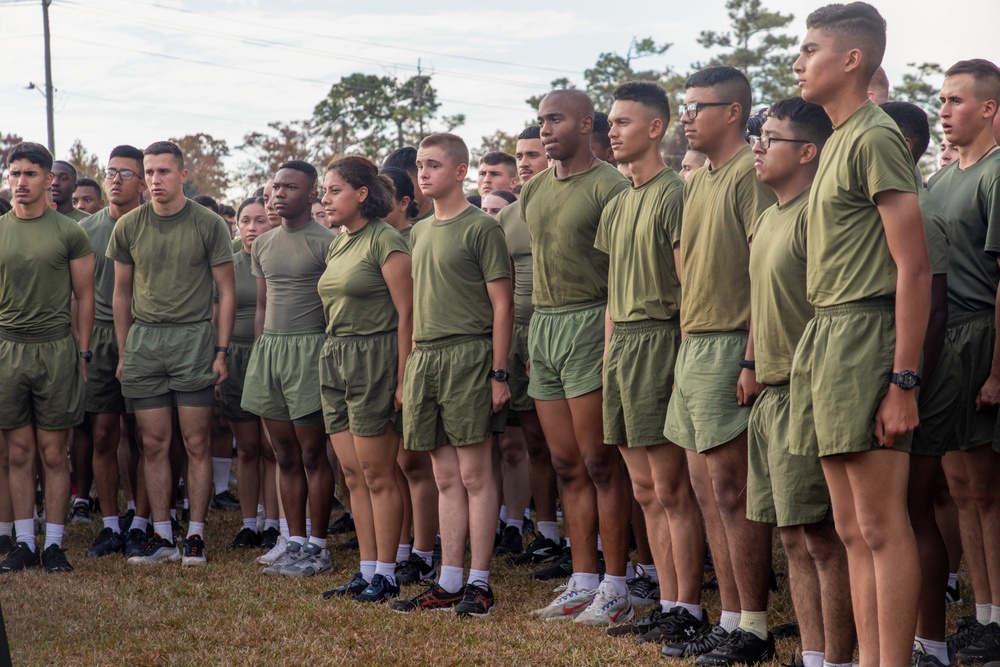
(792, 332)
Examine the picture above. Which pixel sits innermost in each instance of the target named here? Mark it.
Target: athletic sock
(983, 613)
(693, 609)
(164, 530)
(298, 539)
(937, 649)
(567, 542)
(368, 569)
(619, 582)
(629, 570)
(139, 523)
(503, 514)
(838, 664)
(549, 530)
(479, 576)
(82, 501)
(451, 578)
(995, 614)
(24, 531)
(402, 552)
(318, 541)
(220, 473)
(600, 545)
(387, 570)
(754, 622)
(7, 528)
(952, 579)
(173, 513)
(527, 514)
(516, 523)
(729, 620)
(196, 528)
(309, 527)
(428, 556)
(130, 505)
(53, 534)
(112, 523)
(587, 581)
(667, 605)
(272, 523)
(250, 524)
(650, 571)
(812, 659)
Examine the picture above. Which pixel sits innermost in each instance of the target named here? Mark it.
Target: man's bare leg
(830, 560)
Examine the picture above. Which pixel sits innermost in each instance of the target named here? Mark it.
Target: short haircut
(165, 147)
(857, 25)
(647, 93)
(504, 195)
(246, 202)
(530, 132)
(808, 120)
(207, 202)
(225, 210)
(985, 76)
(33, 153)
(601, 128)
(129, 153)
(63, 163)
(360, 172)
(452, 144)
(698, 155)
(304, 167)
(913, 123)
(879, 85)
(494, 158)
(729, 83)
(475, 200)
(404, 158)
(402, 186)
(90, 183)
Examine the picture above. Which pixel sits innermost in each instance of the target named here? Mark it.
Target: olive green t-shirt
(173, 258)
(77, 214)
(515, 230)
(99, 227)
(246, 294)
(936, 231)
(237, 244)
(405, 233)
(355, 296)
(453, 260)
(35, 285)
(970, 200)
(562, 216)
(778, 288)
(721, 207)
(638, 231)
(291, 262)
(849, 257)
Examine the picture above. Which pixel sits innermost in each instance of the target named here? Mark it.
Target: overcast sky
(138, 71)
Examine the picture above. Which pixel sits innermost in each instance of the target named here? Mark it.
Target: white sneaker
(313, 560)
(570, 603)
(275, 552)
(609, 607)
(292, 553)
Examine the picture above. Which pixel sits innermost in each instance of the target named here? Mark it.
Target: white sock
(983, 613)
(587, 581)
(952, 579)
(220, 473)
(82, 501)
(387, 570)
(284, 527)
(516, 523)
(139, 523)
(272, 523)
(112, 523)
(667, 605)
(549, 530)
(994, 615)
(650, 571)
(938, 649)
(479, 577)
(693, 609)
(838, 664)
(451, 578)
(729, 620)
(368, 569)
(173, 513)
(428, 556)
(196, 528)
(755, 622)
(309, 527)
(527, 513)
(503, 513)
(629, 569)
(186, 504)
(130, 505)
(7, 528)
(24, 531)
(402, 552)
(812, 659)
(250, 524)
(164, 530)
(53, 534)
(567, 542)
(318, 541)
(600, 545)
(618, 582)
(298, 539)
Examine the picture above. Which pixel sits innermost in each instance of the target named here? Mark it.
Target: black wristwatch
(906, 380)
(748, 364)
(87, 356)
(223, 350)
(499, 374)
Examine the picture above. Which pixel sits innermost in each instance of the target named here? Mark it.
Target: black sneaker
(528, 528)
(54, 559)
(953, 595)
(135, 542)
(561, 568)
(107, 542)
(740, 648)
(19, 558)
(639, 626)
(269, 538)
(434, 598)
(786, 630)
(678, 626)
(125, 521)
(79, 513)
(349, 545)
(379, 590)
(511, 543)
(705, 641)
(176, 528)
(969, 631)
(414, 570)
(225, 501)
(922, 659)
(478, 600)
(247, 538)
(642, 589)
(984, 649)
(345, 524)
(194, 551)
(6, 544)
(540, 550)
(353, 587)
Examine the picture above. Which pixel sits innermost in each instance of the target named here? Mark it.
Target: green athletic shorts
(973, 335)
(938, 403)
(447, 396)
(840, 374)
(638, 379)
(358, 377)
(231, 391)
(42, 381)
(517, 367)
(703, 412)
(782, 488)
(282, 381)
(165, 358)
(566, 346)
(103, 391)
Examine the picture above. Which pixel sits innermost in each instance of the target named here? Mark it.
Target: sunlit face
(252, 223)
(87, 199)
(963, 114)
(818, 66)
(632, 130)
(781, 160)
(711, 122)
(341, 201)
(123, 192)
(63, 184)
(164, 178)
(493, 177)
(436, 175)
(493, 204)
(28, 182)
(561, 130)
(319, 214)
(531, 160)
(292, 193)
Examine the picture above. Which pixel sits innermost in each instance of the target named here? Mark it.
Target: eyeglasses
(765, 141)
(126, 174)
(692, 109)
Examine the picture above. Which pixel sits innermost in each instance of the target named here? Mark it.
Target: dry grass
(110, 613)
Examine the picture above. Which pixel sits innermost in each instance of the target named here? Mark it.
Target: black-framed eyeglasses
(692, 109)
(126, 174)
(765, 141)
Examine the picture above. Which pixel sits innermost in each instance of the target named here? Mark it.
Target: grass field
(110, 613)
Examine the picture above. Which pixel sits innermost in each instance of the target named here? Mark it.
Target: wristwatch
(748, 364)
(87, 356)
(499, 374)
(905, 380)
(223, 350)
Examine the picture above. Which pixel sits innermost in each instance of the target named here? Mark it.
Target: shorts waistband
(571, 308)
(717, 334)
(104, 324)
(638, 326)
(357, 339)
(873, 305)
(777, 388)
(449, 342)
(307, 332)
(241, 340)
(21, 337)
(169, 325)
(965, 318)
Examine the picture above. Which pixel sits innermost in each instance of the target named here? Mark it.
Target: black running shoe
(969, 631)
(478, 600)
(434, 598)
(642, 589)
(108, 541)
(247, 538)
(194, 551)
(511, 543)
(540, 550)
(54, 559)
(561, 568)
(345, 524)
(953, 595)
(984, 649)
(6, 544)
(528, 528)
(225, 501)
(349, 545)
(79, 513)
(19, 558)
(379, 590)
(269, 538)
(678, 626)
(353, 587)
(639, 626)
(704, 642)
(176, 528)
(125, 521)
(740, 648)
(414, 570)
(135, 542)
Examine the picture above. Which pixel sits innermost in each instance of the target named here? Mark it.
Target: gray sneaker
(314, 560)
(292, 553)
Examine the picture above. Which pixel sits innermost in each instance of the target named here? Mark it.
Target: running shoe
(6, 544)
(54, 559)
(560, 568)
(125, 521)
(540, 550)
(642, 589)
(313, 560)
(345, 524)
(275, 553)
(135, 542)
(740, 648)
(608, 608)
(984, 649)
(953, 595)
(79, 513)
(225, 501)
(511, 542)
(639, 626)
(923, 659)
(247, 538)
(381, 589)
(704, 642)
(477, 601)
(269, 538)
(194, 551)
(969, 631)
(571, 602)
(288, 556)
(157, 550)
(176, 528)
(19, 558)
(434, 598)
(676, 626)
(107, 542)
(353, 587)
(414, 570)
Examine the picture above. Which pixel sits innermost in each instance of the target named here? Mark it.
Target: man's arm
(747, 387)
(397, 274)
(121, 306)
(502, 297)
(81, 276)
(225, 283)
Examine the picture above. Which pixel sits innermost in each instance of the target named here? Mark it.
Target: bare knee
(602, 469)
(569, 469)
(644, 493)
(794, 542)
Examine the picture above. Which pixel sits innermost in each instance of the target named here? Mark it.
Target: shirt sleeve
(220, 246)
(255, 267)
(494, 257)
(990, 203)
(673, 213)
(601, 240)
(388, 242)
(78, 242)
(882, 163)
(118, 245)
(753, 198)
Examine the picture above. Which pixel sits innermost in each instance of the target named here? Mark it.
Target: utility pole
(49, 111)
